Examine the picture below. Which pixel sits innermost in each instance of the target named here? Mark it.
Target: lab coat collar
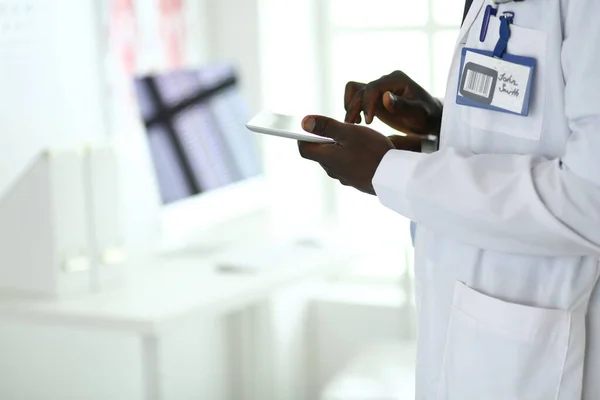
(470, 19)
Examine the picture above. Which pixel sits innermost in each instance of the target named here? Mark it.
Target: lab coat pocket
(502, 351)
(523, 42)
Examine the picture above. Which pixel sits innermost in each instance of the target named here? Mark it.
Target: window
(361, 41)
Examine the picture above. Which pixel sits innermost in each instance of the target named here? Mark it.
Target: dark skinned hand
(355, 156)
(396, 100)
(408, 142)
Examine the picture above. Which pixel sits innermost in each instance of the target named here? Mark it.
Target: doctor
(508, 245)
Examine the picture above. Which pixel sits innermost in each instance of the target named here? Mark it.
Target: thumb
(399, 105)
(324, 126)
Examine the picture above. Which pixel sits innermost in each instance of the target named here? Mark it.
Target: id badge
(499, 84)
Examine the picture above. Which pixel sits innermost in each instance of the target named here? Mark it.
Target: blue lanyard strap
(505, 21)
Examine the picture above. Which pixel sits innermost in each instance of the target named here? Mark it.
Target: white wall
(233, 36)
(273, 43)
(49, 75)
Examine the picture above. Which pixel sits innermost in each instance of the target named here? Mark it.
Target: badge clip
(506, 20)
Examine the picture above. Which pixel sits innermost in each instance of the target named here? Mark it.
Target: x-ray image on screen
(195, 122)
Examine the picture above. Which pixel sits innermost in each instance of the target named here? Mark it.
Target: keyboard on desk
(271, 255)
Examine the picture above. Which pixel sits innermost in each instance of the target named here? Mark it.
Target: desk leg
(151, 368)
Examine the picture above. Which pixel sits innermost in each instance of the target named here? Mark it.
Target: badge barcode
(478, 83)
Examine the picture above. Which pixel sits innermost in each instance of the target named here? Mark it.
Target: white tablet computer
(285, 126)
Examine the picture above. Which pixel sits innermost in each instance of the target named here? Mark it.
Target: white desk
(163, 292)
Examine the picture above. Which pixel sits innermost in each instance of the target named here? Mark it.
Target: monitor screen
(195, 124)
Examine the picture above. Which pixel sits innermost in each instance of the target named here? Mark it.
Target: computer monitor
(207, 164)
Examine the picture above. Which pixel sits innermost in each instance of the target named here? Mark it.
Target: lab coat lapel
(468, 5)
(470, 19)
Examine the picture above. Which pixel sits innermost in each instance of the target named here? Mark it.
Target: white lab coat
(508, 245)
